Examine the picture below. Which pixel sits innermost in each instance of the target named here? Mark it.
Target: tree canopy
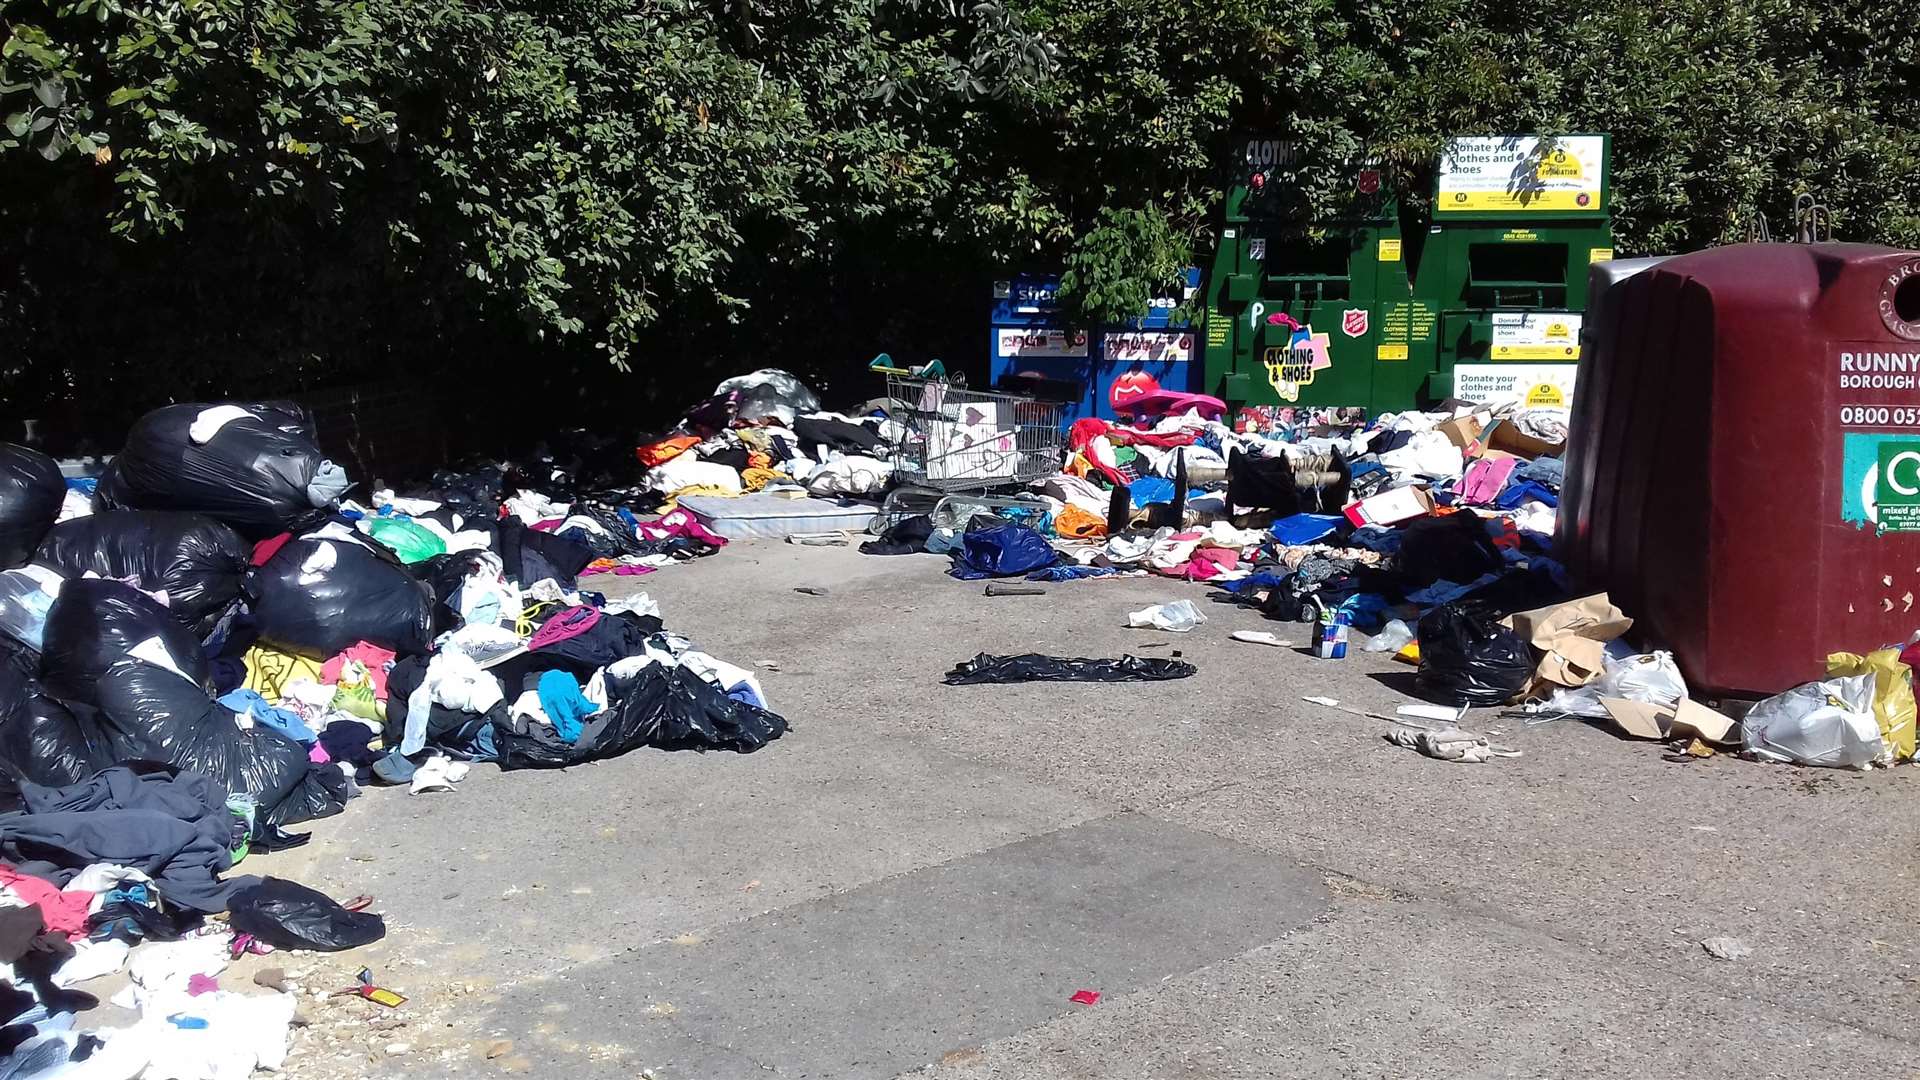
(237, 195)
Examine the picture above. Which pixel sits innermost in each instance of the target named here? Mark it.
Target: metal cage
(955, 439)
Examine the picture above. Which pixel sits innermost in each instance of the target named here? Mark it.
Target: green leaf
(124, 95)
(51, 92)
(17, 124)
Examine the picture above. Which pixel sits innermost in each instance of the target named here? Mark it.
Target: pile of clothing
(766, 431)
(1297, 511)
(124, 871)
(205, 645)
(561, 532)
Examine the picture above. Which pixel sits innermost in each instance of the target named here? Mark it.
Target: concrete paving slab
(893, 975)
(571, 866)
(1385, 987)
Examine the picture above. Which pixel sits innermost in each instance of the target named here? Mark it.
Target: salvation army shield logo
(1353, 322)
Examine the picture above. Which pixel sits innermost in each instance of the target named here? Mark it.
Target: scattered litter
(1000, 589)
(1177, 617)
(1441, 713)
(1261, 637)
(810, 590)
(1451, 744)
(1085, 997)
(1392, 637)
(1726, 948)
(1034, 667)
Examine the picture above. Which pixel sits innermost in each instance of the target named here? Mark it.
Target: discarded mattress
(772, 517)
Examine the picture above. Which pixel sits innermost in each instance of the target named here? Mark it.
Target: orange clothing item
(665, 450)
(1074, 523)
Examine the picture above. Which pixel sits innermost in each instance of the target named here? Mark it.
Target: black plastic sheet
(200, 563)
(1469, 659)
(31, 491)
(253, 473)
(662, 707)
(310, 602)
(288, 915)
(1035, 667)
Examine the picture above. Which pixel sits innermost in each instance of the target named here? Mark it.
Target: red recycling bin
(1744, 475)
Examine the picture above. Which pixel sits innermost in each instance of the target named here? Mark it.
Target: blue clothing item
(1306, 528)
(285, 721)
(83, 484)
(1555, 572)
(1443, 592)
(1040, 521)
(1001, 551)
(1365, 611)
(1155, 489)
(1265, 579)
(565, 705)
(1072, 572)
(483, 747)
(1547, 471)
(1519, 492)
(1378, 538)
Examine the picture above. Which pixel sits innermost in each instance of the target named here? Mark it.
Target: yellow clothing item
(270, 670)
(755, 479)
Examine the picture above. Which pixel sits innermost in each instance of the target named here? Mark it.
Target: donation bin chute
(1752, 459)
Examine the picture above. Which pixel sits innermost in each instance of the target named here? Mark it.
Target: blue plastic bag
(1001, 551)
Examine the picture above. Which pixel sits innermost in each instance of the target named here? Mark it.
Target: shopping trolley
(954, 447)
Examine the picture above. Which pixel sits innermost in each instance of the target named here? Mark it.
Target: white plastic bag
(1177, 617)
(1393, 637)
(1828, 723)
(1427, 454)
(1650, 677)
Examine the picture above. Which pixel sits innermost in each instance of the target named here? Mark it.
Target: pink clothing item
(570, 623)
(633, 571)
(318, 755)
(680, 523)
(1485, 479)
(63, 912)
(198, 984)
(377, 660)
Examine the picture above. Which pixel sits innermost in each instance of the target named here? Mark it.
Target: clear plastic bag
(1177, 617)
(1393, 637)
(1652, 678)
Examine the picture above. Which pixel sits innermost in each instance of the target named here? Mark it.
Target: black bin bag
(134, 678)
(40, 739)
(1467, 658)
(31, 491)
(318, 596)
(255, 471)
(288, 915)
(662, 707)
(201, 564)
(97, 622)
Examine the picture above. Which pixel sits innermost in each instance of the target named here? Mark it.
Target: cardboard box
(1390, 507)
(1463, 431)
(1504, 436)
(1688, 718)
(1572, 637)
